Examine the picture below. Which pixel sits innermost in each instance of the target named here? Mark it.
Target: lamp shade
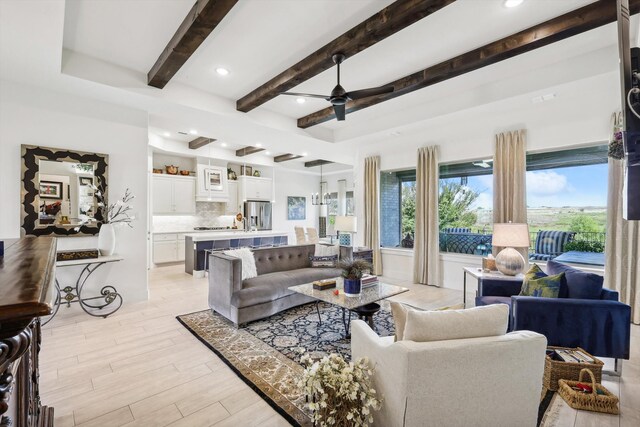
(346, 224)
(510, 235)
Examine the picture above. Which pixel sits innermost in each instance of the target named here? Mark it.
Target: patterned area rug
(265, 354)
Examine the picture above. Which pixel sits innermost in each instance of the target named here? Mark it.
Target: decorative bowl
(185, 173)
(171, 170)
(157, 170)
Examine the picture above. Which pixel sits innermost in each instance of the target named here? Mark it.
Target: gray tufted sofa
(262, 296)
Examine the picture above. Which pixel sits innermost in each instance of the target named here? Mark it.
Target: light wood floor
(140, 367)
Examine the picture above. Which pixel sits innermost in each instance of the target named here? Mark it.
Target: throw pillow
(536, 283)
(579, 284)
(249, 269)
(326, 250)
(399, 313)
(323, 261)
(485, 321)
(545, 287)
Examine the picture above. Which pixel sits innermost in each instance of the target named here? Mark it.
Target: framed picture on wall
(296, 208)
(51, 190)
(246, 170)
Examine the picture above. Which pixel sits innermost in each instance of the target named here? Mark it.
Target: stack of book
(573, 356)
(368, 280)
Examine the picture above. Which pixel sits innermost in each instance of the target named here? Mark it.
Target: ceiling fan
(339, 96)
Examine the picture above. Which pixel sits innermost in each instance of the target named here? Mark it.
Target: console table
(107, 302)
(27, 275)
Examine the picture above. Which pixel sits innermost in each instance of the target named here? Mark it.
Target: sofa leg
(617, 369)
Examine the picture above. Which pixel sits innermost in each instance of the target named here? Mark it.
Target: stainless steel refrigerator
(258, 215)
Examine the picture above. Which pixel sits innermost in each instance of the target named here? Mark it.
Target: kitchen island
(197, 243)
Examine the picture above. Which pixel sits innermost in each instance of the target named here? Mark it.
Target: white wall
(35, 116)
(580, 115)
(291, 183)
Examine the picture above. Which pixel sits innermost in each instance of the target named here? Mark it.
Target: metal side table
(105, 304)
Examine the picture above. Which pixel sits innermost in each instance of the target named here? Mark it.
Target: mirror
(59, 191)
(66, 193)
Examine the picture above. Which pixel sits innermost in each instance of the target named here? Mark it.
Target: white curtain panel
(622, 265)
(425, 247)
(510, 180)
(372, 210)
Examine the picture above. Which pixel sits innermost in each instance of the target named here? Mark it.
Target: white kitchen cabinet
(165, 252)
(168, 248)
(253, 188)
(174, 195)
(233, 205)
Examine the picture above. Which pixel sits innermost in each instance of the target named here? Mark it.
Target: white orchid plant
(119, 212)
(339, 393)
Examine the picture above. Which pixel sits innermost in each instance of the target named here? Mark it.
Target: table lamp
(509, 236)
(346, 226)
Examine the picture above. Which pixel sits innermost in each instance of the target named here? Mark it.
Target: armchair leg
(617, 369)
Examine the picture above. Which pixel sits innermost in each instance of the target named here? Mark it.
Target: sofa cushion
(579, 284)
(271, 286)
(282, 258)
(487, 321)
(248, 261)
(399, 313)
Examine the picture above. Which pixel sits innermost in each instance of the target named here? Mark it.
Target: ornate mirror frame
(30, 166)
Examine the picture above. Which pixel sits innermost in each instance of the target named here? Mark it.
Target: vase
(352, 287)
(107, 240)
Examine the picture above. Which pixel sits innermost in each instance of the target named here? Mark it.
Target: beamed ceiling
(258, 41)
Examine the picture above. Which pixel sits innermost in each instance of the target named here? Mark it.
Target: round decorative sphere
(510, 262)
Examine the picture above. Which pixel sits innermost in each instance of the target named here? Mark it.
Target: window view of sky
(578, 186)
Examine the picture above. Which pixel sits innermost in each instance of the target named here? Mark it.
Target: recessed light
(512, 3)
(258, 144)
(224, 144)
(267, 153)
(222, 71)
(167, 134)
(193, 132)
(304, 154)
(301, 100)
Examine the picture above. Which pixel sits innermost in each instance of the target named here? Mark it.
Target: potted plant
(339, 393)
(352, 271)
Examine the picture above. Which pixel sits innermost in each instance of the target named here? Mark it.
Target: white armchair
(489, 381)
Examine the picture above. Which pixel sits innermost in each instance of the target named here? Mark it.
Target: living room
(174, 331)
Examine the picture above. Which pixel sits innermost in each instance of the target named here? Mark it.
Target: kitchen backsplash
(208, 214)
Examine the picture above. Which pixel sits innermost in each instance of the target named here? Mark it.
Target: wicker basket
(555, 370)
(606, 402)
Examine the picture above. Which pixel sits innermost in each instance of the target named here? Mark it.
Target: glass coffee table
(364, 304)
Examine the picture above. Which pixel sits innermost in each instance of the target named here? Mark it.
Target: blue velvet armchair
(600, 324)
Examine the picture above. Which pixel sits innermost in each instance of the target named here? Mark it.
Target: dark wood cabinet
(27, 276)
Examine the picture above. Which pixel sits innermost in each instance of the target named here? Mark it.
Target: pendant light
(320, 199)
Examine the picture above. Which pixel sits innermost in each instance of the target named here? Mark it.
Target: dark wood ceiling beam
(314, 163)
(285, 157)
(202, 19)
(248, 150)
(562, 27)
(388, 21)
(200, 142)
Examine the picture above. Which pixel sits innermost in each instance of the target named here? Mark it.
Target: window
(566, 191)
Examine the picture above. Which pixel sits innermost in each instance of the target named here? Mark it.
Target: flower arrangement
(354, 269)
(339, 393)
